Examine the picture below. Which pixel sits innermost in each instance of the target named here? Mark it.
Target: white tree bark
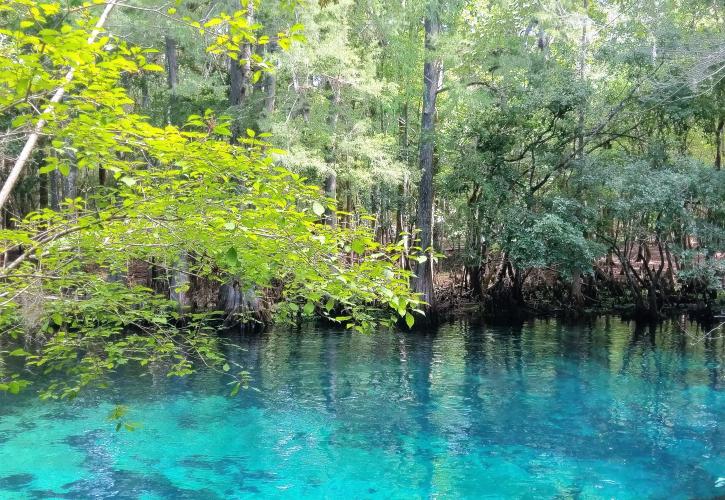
(35, 135)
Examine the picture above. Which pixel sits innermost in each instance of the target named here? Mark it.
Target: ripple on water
(538, 410)
(16, 482)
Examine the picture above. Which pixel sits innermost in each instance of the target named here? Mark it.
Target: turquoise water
(538, 410)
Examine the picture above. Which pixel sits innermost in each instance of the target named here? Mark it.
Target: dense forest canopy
(169, 167)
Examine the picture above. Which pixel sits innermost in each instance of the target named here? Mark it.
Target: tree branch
(35, 135)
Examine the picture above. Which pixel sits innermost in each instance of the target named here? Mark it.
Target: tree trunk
(582, 67)
(653, 308)
(54, 189)
(172, 64)
(670, 269)
(331, 179)
(498, 276)
(172, 76)
(27, 151)
(270, 92)
(241, 303)
(236, 82)
(474, 280)
(402, 191)
(631, 278)
(179, 283)
(719, 143)
(375, 209)
(654, 279)
(70, 184)
(43, 190)
(242, 307)
(102, 176)
(517, 279)
(576, 295)
(432, 68)
(179, 275)
(240, 77)
(331, 192)
(240, 70)
(145, 97)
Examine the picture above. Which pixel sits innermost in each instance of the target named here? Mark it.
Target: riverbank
(456, 299)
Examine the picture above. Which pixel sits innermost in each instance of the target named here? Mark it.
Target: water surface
(536, 410)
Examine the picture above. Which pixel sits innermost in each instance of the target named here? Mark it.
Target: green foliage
(565, 133)
(118, 415)
(175, 191)
(548, 241)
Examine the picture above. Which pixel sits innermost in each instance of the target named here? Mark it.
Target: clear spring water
(538, 410)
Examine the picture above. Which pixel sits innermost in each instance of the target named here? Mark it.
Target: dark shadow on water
(16, 482)
(132, 485)
(540, 395)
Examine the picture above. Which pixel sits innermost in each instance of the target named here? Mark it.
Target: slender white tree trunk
(35, 135)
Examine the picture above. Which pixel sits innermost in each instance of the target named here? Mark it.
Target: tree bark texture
(423, 283)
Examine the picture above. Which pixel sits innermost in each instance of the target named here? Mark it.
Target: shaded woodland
(367, 161)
